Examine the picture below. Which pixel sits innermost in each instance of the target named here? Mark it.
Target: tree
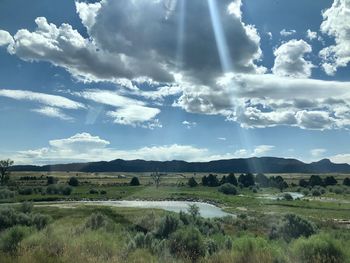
(192, 182)
(330, 180)
(346, 181)
(51, 180)
(4, 170)
(315, 180)
(73, 181)
(262, 180)
(156, 178)
(204, 181)
(193, 210)
(231, 179)
(212, 180)
(246, 179)
(303, 183)
(134, 181)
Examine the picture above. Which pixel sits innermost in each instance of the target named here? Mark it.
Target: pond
(206, 210)
(295, 195)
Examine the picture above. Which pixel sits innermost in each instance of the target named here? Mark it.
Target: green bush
(26, 207)
(73, 181)
(346, 181)
(212, 246)
(52, 189)
(228, 189)
(135, 181)
(96, 221)
(316, 192)
(192, 182)
(6, 194)
(25, 191)
(167, 225)
(187, 243)
(93, 191)
(11, 238)
(40, 220)
(66, 190)
(318, 249)
(287, 197)
(293, 226)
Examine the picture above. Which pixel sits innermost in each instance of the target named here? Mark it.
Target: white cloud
(311, 35)
(318, 152)
(189, 124)
(341, 158)
(287, 33)
(128, 111)
(290, 59)
(136, 115)
(260, 101)
(84, 147)
(262, 149)
(336, 23)
(53, 113)
(221, 138)
(46, 99)
(5, 38)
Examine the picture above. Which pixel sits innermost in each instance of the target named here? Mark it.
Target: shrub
(346, 181)
(103, 192)
(96, 221)
(193, 210)
(228, 189)
(12, 237)
(228, 244)
(262, 180)
(315, 180)
(40, 220)
(51, 180)
(73, 181)
(25, 191)
(52, 189)
(26, 207)
(246, 179)
(212, 246)
(316, 192)
(93, 191)
(231, 179)
(66, 190)
(6, 194)
(134, 181)
(192, 182)
(318, 249)
(293, 226)
(338, 190)
(287, 197)
(305, 192)
(303, 183)
(167, 225)
(187, 243)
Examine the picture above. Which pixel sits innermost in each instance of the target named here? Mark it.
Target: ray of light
(220, 38)
(181, 34)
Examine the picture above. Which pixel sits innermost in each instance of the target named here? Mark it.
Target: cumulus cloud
(336, 23)
(260, 101)
(189, 124)
(287, 33)
(119, 47)
(84, 147)
(311, 35)
(5, 38)
(290, 59)
(341, 158)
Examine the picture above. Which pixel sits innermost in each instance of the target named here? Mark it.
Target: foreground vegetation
(268, 223)
(96, 234)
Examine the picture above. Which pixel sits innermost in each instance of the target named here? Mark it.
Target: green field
(118, 234)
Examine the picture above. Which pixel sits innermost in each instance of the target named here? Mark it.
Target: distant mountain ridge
(241, 165)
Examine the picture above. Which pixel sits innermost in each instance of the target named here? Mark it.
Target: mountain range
(240, 165)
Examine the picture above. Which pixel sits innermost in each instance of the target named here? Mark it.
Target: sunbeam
(220, 37)
(180, 33)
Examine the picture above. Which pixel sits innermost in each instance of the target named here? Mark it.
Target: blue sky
(174, 79)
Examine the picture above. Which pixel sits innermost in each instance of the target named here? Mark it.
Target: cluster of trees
(316, 180)
(273, 181)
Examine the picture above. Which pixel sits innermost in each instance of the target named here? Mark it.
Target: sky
(192, 80)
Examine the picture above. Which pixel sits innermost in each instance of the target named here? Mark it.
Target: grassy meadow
(266, 226)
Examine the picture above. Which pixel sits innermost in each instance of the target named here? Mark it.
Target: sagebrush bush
(96, 221)
(11, 238)
(6, 194)
(167, 225)
(293, 226)
(228, 189)
(187, 243)
(318, 249)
